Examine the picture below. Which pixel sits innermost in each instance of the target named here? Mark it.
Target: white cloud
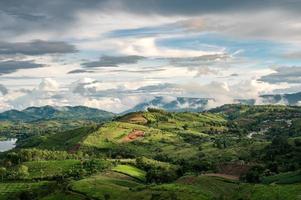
(48, 85)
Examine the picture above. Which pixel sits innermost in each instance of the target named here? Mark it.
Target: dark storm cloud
(19, 16)
(36, 47)
(194, 7)
(114, 61)
(80, 71)
(7, 67)
(284, 75)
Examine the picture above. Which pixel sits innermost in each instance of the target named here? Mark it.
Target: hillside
(232, 152)
(48, 112)
(47, 119)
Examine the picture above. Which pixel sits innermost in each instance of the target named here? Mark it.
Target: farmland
(163, 155)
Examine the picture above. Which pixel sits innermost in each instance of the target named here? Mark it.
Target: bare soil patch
(226, 176)
(135, 134)
(233, 169)
(74, 149)
(189, 180)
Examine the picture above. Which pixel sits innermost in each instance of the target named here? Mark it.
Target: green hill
(49, 112)
(232, 152)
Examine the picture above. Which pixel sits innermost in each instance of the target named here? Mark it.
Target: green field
(112, 184)
(284, 178)
(64, 196)
(43, 169)
(130, 171)
(7, 189)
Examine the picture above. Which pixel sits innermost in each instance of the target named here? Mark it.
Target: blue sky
(104, 53)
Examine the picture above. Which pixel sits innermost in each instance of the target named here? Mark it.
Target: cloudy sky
(113, 54)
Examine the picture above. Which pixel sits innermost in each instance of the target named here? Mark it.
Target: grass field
(284, 178)
(64, 196)
(6, 189)
(117, 186)
(43, 169)
(130, 171)
(120, 187)
(113, 185)
(60, 141)
(269, 192)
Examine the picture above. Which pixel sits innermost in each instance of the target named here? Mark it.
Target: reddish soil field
(133, 136)
(74, 149)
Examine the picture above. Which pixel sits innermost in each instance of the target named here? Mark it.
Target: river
(7, 144)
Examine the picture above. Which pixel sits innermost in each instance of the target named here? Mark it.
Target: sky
(114, 54)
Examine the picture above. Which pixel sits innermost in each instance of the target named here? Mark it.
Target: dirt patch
(135, 134)
(74, 149)
(226, 176)
(233, 169)
(189, 180)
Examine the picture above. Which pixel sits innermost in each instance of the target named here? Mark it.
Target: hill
(49, 112)
(47, 119)
(231, 152)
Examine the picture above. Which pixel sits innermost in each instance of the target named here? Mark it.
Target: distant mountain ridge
(181, 104)
(288, 99)
(178, 104)
(51, 112)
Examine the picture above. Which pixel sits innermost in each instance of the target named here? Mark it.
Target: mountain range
(49, 112)
(177, 104)
(180, 104)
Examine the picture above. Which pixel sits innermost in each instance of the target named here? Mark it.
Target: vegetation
(231, 152)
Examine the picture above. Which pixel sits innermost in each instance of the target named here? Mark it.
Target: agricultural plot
(284, 178)
(130, 171)
(9, 188)
(110, 185)
(43, 169)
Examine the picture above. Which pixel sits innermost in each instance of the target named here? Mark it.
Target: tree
(22, 171)
(254, 175)
(2, 172)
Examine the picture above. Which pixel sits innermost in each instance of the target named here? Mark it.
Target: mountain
(287, 99)
(15, 115)
(178, 104)
(49, 112)
(181, 104)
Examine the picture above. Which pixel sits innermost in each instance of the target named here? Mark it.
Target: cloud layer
(113, 54)
(36, 47)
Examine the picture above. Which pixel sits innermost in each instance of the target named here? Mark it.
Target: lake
(7, 144)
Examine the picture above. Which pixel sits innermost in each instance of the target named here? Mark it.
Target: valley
(230, 152)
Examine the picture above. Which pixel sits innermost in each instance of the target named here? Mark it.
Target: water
(7, 144)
